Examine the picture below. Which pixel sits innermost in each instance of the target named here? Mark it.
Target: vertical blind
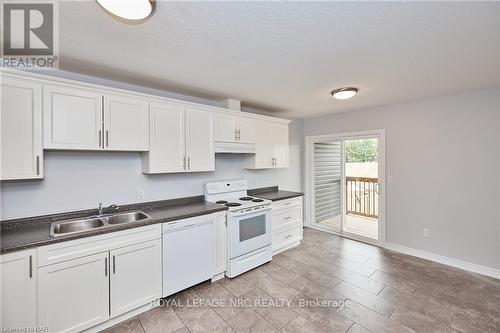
(327, 180)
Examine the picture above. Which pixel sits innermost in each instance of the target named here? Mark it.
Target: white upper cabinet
(18, 291)
(39, 112)
(72, 118)
(167, 149)
(21, 128)
(271, 145)
(199, 140)
(225, 128)
(263, 158)
(234, 128)
(182, 140)
(280, 145)
(81, 119)
(126, 123)
(246, 130)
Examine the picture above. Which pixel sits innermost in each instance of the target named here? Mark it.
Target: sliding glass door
(344, 176)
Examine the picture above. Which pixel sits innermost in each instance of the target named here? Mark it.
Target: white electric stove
(248, 225)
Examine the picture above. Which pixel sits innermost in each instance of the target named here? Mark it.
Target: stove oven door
(248, 231)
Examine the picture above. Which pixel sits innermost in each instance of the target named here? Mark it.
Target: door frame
(375, 133)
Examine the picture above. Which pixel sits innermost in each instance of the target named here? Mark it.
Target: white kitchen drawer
(286, 237)
(287, 203)
(58, 252)
(287, 216)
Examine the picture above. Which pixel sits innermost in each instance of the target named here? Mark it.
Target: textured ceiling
(286, 56)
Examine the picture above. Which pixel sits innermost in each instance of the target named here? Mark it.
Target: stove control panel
(226, 187)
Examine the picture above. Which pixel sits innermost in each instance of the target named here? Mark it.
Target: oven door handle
(252, 212)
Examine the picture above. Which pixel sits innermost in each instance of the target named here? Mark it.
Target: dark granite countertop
(34, 231)
(273, 193)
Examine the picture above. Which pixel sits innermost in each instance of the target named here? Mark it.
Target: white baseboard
(218, 276)
(465, 265)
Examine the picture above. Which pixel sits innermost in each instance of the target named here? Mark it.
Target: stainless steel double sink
(74, 226)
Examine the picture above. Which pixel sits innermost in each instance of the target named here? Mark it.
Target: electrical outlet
(427, 233)
(140, 193)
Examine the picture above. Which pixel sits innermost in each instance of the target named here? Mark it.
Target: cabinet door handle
(288, 236)
(189, 163)
(106, 266)
(114, 268)
(107, 139)
(31, 266)
(236, 135)
(288, 218)
(184, 163)
(37, 165)
(100, 138)
(239, 135)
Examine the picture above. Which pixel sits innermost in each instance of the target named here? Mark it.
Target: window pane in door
(252, 227)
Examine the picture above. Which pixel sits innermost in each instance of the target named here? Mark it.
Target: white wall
(444, 156)
(79, 180)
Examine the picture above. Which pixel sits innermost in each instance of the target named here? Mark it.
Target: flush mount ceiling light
(129, 11)
(344, 93)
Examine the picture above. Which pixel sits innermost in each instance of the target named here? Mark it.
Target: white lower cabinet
(135, 277)
(287, 224)
(88, 281)
(74, 295)
(220, 248)
(18, 290)
(94, 282)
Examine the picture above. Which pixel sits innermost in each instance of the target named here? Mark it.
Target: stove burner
(257, 200)
(233, 204)
(221, 202)
(246, 198)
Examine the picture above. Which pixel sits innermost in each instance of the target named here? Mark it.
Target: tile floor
(331, 284)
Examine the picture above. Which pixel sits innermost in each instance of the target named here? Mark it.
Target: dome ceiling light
(129, 11)
(344, 93)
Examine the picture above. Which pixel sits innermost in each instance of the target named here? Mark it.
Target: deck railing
(362, 196)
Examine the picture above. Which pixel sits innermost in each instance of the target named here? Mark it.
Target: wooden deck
(355, 224)
(363, 226)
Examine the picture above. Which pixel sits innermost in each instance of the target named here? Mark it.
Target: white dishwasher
(187, 253)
